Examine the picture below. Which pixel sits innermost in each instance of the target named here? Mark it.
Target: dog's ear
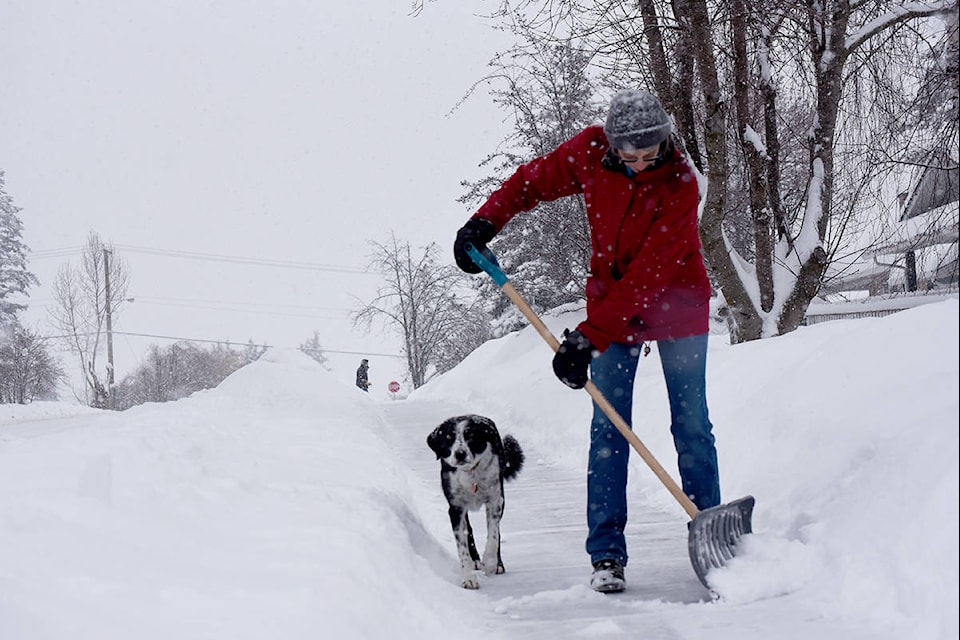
(432, 440)
(483, 431)
(485, 426)
(435, 439)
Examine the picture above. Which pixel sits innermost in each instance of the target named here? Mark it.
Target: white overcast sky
(294, 131)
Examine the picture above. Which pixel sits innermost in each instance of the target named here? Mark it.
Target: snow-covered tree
(314, 349)
(252, 351)
(28, 371)
(547, 92)
(775, 101)
(15, 279)
(178, 370)
(83, 299)
(421, 299)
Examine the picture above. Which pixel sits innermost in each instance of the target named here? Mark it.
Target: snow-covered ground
(286, 504)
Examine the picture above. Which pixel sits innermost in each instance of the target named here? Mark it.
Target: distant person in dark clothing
(362, 381)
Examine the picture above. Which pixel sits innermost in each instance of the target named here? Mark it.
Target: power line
(219, 305)
(228, 343)
(211, 257)
(288, 264)
(305, 311)
(55, 253)
(261, 308)
(161, 300)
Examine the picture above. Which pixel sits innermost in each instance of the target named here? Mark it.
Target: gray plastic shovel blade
(715, 534)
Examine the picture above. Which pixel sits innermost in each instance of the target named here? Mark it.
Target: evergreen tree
(314, 349)
(252, 352)
(546, 251)
(14, 277)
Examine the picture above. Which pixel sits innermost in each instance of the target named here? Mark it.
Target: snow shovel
(714, 533)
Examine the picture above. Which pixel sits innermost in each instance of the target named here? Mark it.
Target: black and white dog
(474, 462)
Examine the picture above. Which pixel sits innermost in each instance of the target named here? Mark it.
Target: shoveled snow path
(543, 533)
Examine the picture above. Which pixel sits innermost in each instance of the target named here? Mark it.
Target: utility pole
(107, 310)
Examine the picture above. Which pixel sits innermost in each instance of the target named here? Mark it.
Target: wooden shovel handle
(606, 407)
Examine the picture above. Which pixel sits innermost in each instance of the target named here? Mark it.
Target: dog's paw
(492, 567)
(470, 582)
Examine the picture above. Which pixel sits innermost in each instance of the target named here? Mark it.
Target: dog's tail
(513, 457)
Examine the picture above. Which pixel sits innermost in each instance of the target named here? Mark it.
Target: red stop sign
(394, 386)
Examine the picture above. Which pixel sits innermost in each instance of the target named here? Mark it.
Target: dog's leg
(492, 562)
(471, 542)
(465, 545)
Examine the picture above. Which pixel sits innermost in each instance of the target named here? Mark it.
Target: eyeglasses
(632, 159)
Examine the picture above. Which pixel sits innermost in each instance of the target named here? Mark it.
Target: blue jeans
(684, 370)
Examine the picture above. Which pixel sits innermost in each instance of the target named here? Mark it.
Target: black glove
(572, 359)
(478, 232)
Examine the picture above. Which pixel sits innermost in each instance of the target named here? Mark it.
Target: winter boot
(608, 577)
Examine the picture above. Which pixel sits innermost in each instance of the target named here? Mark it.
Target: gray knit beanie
(636, 121)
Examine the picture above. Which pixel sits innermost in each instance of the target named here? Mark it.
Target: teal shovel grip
(488, 262)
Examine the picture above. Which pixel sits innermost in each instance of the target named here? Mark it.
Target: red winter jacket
(643, 227)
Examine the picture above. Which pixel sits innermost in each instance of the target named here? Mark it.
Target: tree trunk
(742, 319)
(683, 93)
(827, 29)
(759, 209)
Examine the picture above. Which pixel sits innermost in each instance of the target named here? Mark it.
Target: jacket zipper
(616, 245)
